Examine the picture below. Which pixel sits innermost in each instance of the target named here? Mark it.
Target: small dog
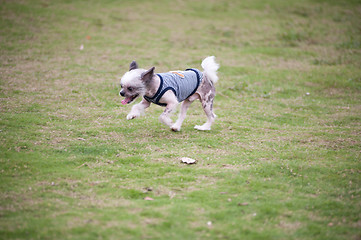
(169, 89)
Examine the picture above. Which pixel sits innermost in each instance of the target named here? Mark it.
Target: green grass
(282, 160)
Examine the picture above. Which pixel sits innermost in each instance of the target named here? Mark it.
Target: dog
(170, 89)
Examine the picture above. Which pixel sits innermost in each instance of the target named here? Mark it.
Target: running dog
(169, 89)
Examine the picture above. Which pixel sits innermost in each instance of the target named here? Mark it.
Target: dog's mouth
(130, 99)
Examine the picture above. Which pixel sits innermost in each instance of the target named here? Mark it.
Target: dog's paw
(131, 116)
(166, 120)
(202, 128)
(175, 128)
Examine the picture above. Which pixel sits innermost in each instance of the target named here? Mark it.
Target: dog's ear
(147, 75)
(133, 65)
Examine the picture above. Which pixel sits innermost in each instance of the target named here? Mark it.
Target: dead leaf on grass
(187, 160)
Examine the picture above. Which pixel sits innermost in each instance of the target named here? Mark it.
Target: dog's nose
(121, 93)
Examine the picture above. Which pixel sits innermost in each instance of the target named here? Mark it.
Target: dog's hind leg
(207, 104)
(183, 112)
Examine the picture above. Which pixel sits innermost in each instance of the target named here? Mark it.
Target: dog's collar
(155, 99)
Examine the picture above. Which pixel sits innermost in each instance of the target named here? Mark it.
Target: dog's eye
(130, 89)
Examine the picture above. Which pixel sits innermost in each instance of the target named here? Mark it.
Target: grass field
(282, 160)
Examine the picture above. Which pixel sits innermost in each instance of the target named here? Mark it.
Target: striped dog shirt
(183, 84)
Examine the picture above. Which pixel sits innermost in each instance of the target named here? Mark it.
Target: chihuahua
(170, 89)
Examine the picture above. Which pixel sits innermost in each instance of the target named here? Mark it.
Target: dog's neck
(153, 86)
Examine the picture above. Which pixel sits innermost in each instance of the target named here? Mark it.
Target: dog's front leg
(185, 105)
(138, 109)
(170, 99)
(165, 116)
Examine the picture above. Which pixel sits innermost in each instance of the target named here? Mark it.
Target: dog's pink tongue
(126, 101)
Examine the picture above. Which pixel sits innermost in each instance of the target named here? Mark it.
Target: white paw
(165, 120)
(132, 116)
(202, 128)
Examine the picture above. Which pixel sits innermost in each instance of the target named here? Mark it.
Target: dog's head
(135, 83)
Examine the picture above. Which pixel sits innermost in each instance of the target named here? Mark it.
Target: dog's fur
(139, 82)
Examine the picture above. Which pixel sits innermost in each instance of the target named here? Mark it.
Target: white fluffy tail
(210, 68)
